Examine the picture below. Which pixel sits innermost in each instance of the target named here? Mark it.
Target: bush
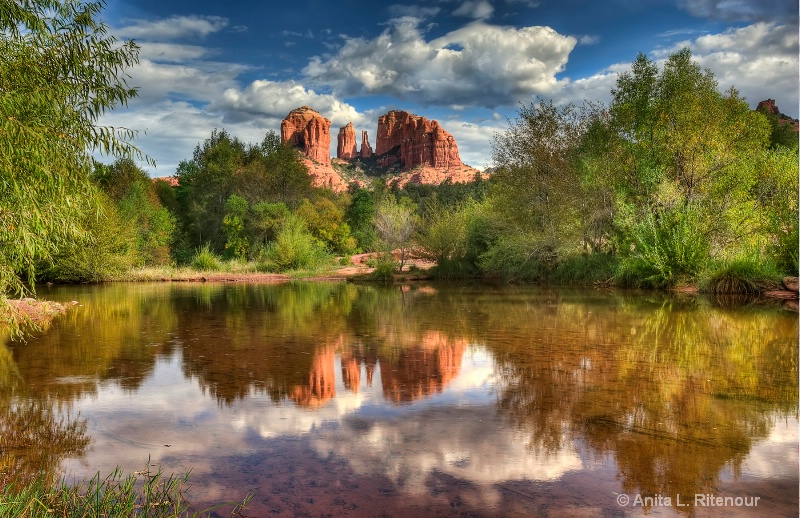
(107, 250)
(669, 249)
(385, 267)
(206, 260)
(585, 269)
(516, 259)
(295, 248)
(454, 269)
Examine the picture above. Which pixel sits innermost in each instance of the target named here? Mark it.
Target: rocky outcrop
(325, 176)
(433, 176)
(409, 141)
(769, 107)
(346, 142)
(366, 149)
(309, 131)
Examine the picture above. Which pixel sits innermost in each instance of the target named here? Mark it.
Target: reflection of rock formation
(422, 371)
(351, 369)
(321, 381)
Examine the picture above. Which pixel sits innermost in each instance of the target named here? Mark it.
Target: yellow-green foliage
(59, 72)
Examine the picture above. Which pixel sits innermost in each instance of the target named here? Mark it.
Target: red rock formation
(346, 142)
(410, 140)
(769, 107)
(432, 176)
(306, 129)
(325, 176)
(366, 149)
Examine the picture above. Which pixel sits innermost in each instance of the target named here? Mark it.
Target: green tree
(140, 209)
(395, 223)
(59, 72)
(538, 185)
(325, 221)
(360, 215)
(233, 223)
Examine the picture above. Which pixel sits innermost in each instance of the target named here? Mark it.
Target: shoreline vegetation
(19, 315)
(146, 492)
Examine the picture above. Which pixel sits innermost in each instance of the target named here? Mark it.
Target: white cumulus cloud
(477, 65)
(478, 9)
(270, 99)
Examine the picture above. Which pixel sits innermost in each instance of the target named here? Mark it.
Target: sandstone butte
(310, 132)
(419, 147)
(410, 141)
(366, 149)
(770, 107)
(346, 142)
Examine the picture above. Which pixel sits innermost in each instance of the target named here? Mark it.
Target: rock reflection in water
(490, 401)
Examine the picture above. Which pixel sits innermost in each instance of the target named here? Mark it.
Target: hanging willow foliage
(60, 71)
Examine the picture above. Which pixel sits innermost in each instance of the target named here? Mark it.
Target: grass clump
(206, 260)
(750, 274)
(142, 494)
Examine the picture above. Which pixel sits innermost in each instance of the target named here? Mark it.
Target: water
(330, 399)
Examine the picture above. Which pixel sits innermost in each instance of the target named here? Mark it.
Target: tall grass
(140, 494)
(669, 249)
(206, 260)
(747, 274)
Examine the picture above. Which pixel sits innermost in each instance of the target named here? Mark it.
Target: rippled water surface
(342, 400)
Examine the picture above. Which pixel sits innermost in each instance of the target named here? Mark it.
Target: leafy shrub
(585, 269)
(295, 248)
(385, 268)
(454, 269)
(669, 248)
(206, 260)
(516, 258)
(107, 249)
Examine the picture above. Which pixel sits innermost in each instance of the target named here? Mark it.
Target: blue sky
(244, 65)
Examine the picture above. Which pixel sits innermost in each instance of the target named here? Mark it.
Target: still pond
(334, 399)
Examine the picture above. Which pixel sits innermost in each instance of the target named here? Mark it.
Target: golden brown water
(340, 400)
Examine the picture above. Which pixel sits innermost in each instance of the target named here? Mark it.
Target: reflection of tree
(116, 333)
(675, 392)
(34, 439)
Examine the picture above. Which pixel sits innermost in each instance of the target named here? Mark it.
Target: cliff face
(769, 107)
(309, 131)
(346, 143)
(420, 147)
(410, 141)
(366, 149)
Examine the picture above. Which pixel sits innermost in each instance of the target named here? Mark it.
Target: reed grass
(142, 494)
